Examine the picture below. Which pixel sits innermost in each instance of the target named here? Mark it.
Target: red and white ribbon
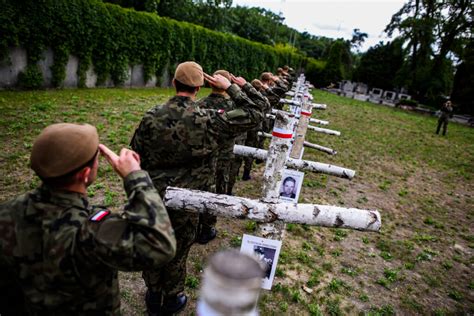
(282, 133)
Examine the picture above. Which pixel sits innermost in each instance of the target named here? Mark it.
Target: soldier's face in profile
(94, 169)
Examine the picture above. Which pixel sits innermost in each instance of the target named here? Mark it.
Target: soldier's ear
(83, 175)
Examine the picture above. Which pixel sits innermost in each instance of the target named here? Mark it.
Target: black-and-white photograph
(267, 252)
(266, 256)
(291, 185)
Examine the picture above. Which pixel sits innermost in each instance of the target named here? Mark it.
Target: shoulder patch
(99, 216)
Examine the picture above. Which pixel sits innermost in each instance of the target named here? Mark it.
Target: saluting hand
(240, 81)
(127, 162)
(218, 81)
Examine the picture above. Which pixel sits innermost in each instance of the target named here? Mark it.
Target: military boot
(153, 303)
(174, 304)
(206, 234)
(246, 175)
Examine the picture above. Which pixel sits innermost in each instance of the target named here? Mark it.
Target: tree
(435, 32)
(139, 5)
(379, 66)
(358, 38)
(339, 63)
(463, 90)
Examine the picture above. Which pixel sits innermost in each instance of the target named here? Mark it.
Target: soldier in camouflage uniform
(178, 143)
(290, 73)
(218, 99)
(65, 254)
(251, 139)
(446, 113)
(275, 90)
(276, 85)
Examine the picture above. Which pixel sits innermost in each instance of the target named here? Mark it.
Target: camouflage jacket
(446, 112)
(280, 88)
(178, 141)
(217, 101)
(273, 98)
(65, 254)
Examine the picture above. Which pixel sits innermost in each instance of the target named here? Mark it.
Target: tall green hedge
(111, 38)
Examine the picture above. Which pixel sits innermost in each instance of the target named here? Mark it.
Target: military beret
(62, 148)
(190, 74)
(222, 72)
(266, 76)
(257, 84)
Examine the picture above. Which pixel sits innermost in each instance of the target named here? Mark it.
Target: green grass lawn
(423, 185)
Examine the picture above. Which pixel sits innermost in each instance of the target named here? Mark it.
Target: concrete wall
(17, 61)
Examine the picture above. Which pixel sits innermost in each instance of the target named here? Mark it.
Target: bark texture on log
(324, 130)
(321, 122)
(301, 131)
(244, 208)
(318, 106)
(296, 163)
(276, 157)
(320, 148)
(312, 120)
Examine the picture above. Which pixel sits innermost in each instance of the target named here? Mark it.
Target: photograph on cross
(291, 184)
(266, 251)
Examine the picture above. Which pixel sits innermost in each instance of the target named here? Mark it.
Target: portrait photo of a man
(289, 185)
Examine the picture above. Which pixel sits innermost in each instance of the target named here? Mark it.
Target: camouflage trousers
(234, 173)
(223, 170)
(171, 277)
(255, 141)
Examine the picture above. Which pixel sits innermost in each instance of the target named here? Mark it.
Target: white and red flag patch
(100, 215)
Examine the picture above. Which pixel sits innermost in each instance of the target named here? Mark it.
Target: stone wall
(17, 60)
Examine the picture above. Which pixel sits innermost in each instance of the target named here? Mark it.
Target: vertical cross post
(275, 163)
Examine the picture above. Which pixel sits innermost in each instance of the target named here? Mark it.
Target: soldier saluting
(219, 100)
(65, 254)
(178, 143)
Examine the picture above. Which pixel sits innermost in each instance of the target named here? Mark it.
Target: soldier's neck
(76, 188)
(187, 94)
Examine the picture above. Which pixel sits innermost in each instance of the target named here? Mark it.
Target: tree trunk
(303, 121)
(244, 208)
(306, 144)
(296, 163)
(324, 130)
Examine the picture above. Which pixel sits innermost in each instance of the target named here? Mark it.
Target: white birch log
(276, 156)
(318, 106)
(298, 164)
(321, 122)
(244, 208)
(312, 120)
(298, 142)
(275, 163)
(292, 102)
(306, 144)
(320, 148)
(324, 130)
